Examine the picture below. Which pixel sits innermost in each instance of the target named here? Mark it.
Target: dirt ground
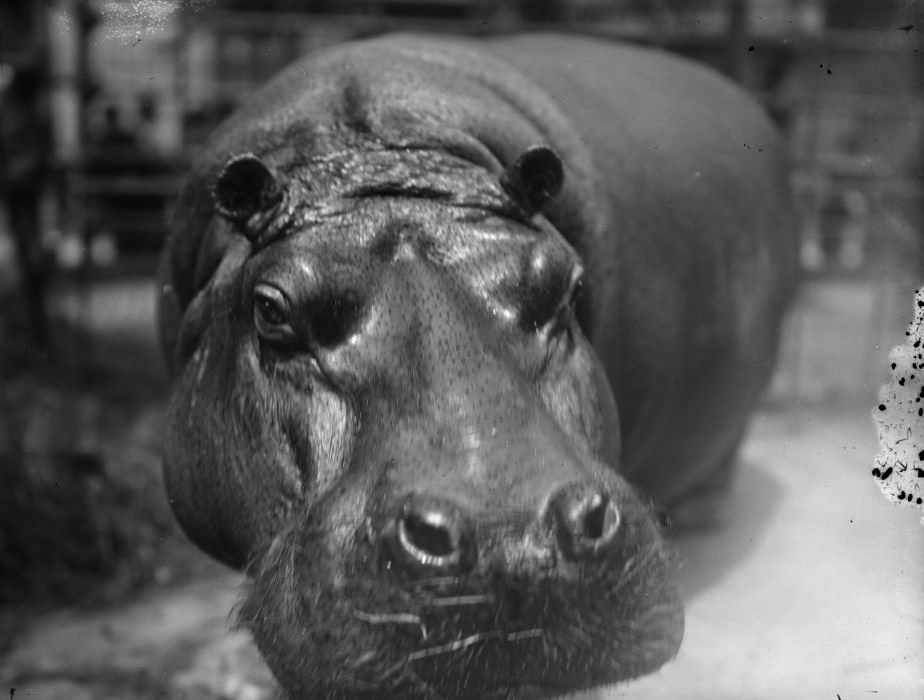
(813, 590)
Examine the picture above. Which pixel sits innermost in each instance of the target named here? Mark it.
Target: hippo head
(385, 409)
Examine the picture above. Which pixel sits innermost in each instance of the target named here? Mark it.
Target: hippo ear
(245, 186)
(534, 178)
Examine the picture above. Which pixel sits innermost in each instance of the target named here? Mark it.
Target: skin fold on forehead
(310, 191)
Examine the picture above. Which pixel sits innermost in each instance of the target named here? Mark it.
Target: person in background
(115, 150)
(25, 153)
(147, 129)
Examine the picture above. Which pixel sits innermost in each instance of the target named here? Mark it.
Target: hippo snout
(432, 535)
(400, 604)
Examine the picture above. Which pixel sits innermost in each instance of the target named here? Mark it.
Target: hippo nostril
(429, 536)
(586, 520)
(600, 517)
(432, 534)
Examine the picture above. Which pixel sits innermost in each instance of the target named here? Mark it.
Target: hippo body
(448, 321)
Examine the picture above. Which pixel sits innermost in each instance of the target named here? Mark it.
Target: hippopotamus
(456, 327)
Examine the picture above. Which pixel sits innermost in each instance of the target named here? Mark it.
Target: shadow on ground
(707, 557)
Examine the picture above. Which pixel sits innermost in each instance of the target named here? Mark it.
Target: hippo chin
(447, 321)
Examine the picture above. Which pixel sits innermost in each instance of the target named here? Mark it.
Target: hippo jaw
(388, 409)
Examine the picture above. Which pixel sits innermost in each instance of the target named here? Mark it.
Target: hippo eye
(576, 287)
(568, 308)
(561, 327)
(271, 313)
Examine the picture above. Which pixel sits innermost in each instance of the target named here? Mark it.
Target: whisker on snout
(459, 600)
(392, 619)
(402, 670)
(478, 637)
(638, 563)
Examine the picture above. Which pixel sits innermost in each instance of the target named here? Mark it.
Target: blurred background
(104, 104)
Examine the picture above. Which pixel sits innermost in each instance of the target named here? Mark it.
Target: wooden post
(736, 42)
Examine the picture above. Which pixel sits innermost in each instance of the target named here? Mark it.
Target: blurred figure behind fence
(25, 148)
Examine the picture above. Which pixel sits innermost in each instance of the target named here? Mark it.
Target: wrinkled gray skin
(392, 406)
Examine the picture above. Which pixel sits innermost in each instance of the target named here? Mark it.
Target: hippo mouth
(345, 625)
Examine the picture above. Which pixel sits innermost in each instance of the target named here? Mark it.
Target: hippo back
(692, 182)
